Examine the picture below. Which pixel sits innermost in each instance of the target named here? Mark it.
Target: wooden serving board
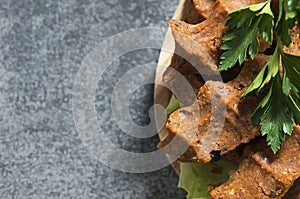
(161, 94)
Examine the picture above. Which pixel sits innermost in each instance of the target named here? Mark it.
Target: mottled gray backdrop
(42, 45)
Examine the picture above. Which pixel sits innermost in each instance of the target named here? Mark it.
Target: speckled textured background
(42, 44)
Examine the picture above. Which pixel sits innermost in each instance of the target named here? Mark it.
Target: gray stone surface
(42, 44)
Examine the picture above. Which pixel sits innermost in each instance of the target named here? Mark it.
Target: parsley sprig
(280, 77)
(242, 37)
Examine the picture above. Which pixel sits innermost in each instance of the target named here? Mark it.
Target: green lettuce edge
(194, 178)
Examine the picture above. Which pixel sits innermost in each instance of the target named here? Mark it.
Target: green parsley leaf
(280, 108)
(291, 84)
(273, 116)
(289, 13)
(241, 39)
(283, 92)
(270, 70)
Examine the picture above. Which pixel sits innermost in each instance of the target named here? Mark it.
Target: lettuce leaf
(195, 177)
(173, 105)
